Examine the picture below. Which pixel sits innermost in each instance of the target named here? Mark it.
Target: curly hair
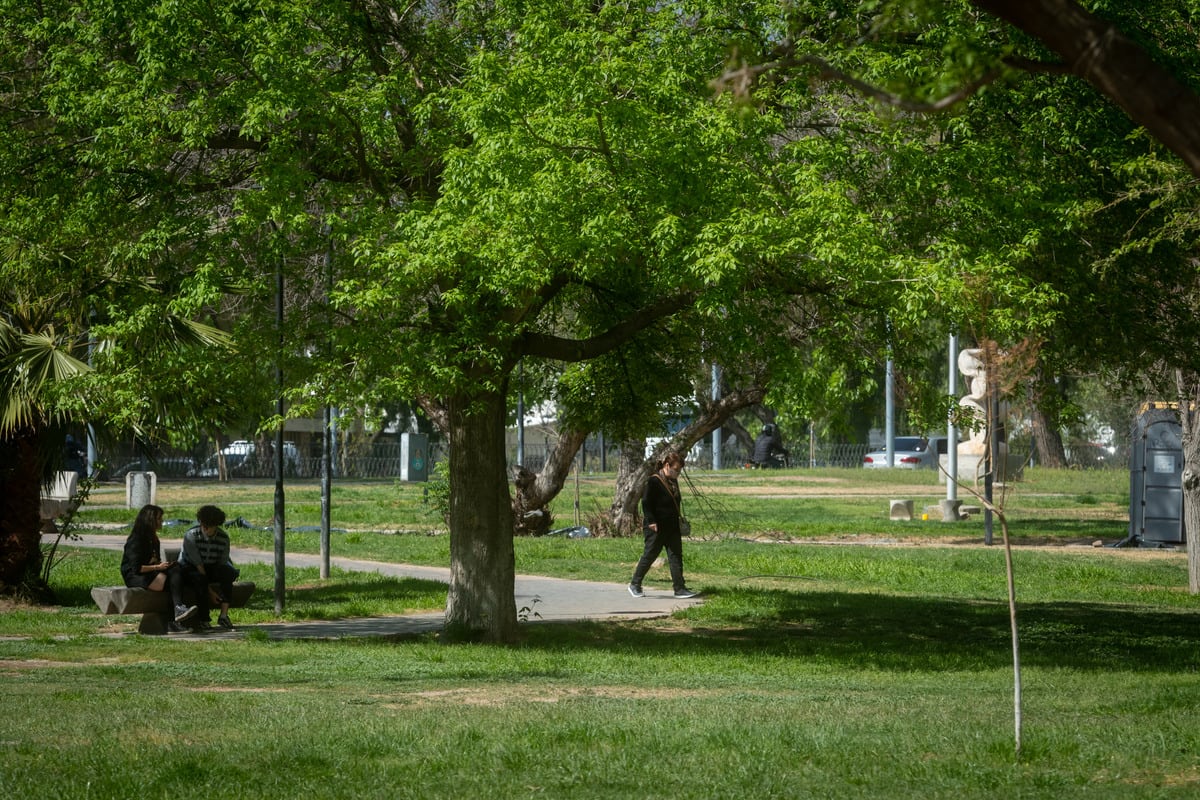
(673, 458)
(210, 516)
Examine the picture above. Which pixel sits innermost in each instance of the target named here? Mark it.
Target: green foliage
(437, 492)
(1031, 213)
(449, 191)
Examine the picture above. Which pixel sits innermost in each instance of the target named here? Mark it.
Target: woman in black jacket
(661, 512)
(142, 565)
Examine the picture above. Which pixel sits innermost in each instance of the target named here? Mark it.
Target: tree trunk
(632, 473)
(481, 604)
(534, 491)
(635, 468)
(20, 513)
(1189, 420)
(1045, 400)
(1047, 440)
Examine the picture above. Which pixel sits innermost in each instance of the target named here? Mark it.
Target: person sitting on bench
(142, 565)
(205, 559)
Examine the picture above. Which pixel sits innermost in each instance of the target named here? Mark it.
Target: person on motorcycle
(768, 448)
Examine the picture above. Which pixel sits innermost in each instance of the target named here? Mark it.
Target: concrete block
(901, 510)
(950, 511)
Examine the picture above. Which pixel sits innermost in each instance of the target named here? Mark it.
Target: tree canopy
(445, 191)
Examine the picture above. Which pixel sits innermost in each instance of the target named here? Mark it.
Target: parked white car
(240, 461)
(911, 452)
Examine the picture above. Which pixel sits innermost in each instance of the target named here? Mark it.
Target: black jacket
(766, 446)
(140, 549)
(661, 505)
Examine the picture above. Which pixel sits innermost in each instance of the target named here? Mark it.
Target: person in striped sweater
(205, 560)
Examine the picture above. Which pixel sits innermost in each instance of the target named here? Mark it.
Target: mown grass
(819, 503)
(812, 670)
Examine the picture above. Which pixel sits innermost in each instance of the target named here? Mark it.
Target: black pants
(175, 582)
(656, 542)
(221, 574)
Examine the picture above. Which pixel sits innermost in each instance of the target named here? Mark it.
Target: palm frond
(45, 359)
(189, 332)
(29, 363)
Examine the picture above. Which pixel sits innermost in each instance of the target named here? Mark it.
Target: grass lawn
(816, 668)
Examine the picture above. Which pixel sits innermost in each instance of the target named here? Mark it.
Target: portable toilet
(414, 457)
(1156, 476)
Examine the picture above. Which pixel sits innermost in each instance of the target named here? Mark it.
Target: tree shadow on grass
(339, 599)
(900, 633)
(339, 596)
(381, 590)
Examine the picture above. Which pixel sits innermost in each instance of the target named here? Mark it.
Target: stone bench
(155, 607)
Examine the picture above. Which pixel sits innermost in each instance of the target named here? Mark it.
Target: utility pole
(280, 558)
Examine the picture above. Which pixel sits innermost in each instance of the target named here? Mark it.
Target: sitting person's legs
(224, 575)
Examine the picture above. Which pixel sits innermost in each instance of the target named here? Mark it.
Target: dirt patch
(231, 689)
(1025, 542)
(509, 695)
(830, 488)
(13, 668)
(16, 667)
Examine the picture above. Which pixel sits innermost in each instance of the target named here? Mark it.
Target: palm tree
(43, 341)
(36, 357)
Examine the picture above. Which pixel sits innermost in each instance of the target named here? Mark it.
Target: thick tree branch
(436, 411)
(561, 348)
(1104, 57)
(1091, 48)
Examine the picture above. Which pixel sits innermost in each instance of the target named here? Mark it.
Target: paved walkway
(548, 599)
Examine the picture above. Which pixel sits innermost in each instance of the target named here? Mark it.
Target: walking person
(661, 515)
(142, 565)
(205, 560)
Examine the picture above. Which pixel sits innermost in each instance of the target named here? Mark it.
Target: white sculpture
(971, 365)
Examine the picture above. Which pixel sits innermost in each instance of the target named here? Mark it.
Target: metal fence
(378, 460)
(600, 458)
(384, 460)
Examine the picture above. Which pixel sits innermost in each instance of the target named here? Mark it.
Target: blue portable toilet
(1156, 477)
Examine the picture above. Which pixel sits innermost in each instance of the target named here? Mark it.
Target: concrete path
(548, 599)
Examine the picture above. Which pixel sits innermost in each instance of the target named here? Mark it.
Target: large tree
(474, 185)
(599, 198)
(95, 308)
(1132, 287)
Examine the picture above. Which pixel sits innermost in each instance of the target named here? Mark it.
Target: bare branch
(742, 79)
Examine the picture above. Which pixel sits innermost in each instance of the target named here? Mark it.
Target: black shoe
(636, 591)
(685, 593)
(175, 627)
(184, 613)
(225, 622)
(202, 626)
